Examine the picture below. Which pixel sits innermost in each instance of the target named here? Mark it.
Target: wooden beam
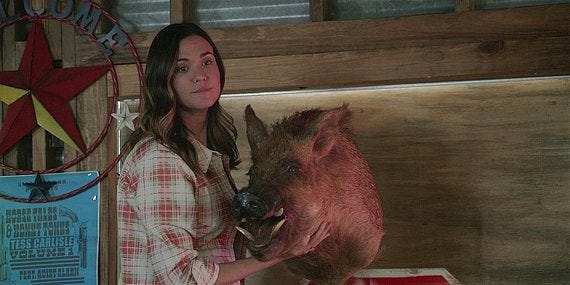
(447, 62)
(444, 62)
(332, 36)
(465, 5)
(180, 11)
(319, 10)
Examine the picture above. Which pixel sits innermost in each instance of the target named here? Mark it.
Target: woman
(175, 191)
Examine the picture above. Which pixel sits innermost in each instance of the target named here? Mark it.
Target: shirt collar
(203, 154)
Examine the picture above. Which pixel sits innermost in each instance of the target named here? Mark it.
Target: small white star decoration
(125, 118)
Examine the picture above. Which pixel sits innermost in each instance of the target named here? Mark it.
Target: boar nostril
(248, 205)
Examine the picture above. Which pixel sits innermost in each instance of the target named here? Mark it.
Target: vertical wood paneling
(319, 10)
(111, 201)
(39, 148)
(68, 60)
(12, 54)
(180, 11)
(53, 33)
(91, 117)
(10, 60)
(39, 134)
(54, 36)
(2, 158)
(15, 154)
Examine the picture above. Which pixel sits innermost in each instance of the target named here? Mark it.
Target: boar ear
(256, 131)
(326, 128)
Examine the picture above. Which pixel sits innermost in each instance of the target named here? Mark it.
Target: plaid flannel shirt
(175, 226)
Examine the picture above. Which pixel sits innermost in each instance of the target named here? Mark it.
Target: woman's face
(196, 78)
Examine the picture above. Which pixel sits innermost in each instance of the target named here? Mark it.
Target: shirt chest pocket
(212, 213)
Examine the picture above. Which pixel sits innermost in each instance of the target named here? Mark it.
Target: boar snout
(247, 205)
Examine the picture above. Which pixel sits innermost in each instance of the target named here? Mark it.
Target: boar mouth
(260, 232)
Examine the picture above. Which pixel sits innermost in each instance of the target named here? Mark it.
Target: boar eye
(293, 169)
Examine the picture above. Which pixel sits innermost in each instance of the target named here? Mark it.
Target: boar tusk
(258, 245)
(247, 234)
(279, 213)
(277, 227)
(243, 220)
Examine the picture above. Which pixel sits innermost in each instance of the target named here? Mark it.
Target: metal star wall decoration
(39, 188)
(37, 94)
(125, 118)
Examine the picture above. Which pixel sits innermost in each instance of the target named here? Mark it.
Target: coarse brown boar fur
(311, 167)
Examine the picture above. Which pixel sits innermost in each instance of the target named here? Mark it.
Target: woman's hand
(310, 242)
(239, 269)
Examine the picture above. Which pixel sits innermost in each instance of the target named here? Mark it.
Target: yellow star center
(47, 121)
(10, 94)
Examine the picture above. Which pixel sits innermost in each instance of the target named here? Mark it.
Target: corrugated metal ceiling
(368, 9)
(228, 13)
(151, 15)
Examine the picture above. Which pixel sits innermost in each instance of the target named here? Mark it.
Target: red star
(38, 94)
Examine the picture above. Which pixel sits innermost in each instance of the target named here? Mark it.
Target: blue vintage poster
(53, 242)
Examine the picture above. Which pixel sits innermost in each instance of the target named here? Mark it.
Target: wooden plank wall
(473, 176)
(91, 111)
(9, 62)
(428, 48)
(466, 45)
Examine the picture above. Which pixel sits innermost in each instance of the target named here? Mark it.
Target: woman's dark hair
(160, 117)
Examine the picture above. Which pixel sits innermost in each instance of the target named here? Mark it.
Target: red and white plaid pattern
(175, 226)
